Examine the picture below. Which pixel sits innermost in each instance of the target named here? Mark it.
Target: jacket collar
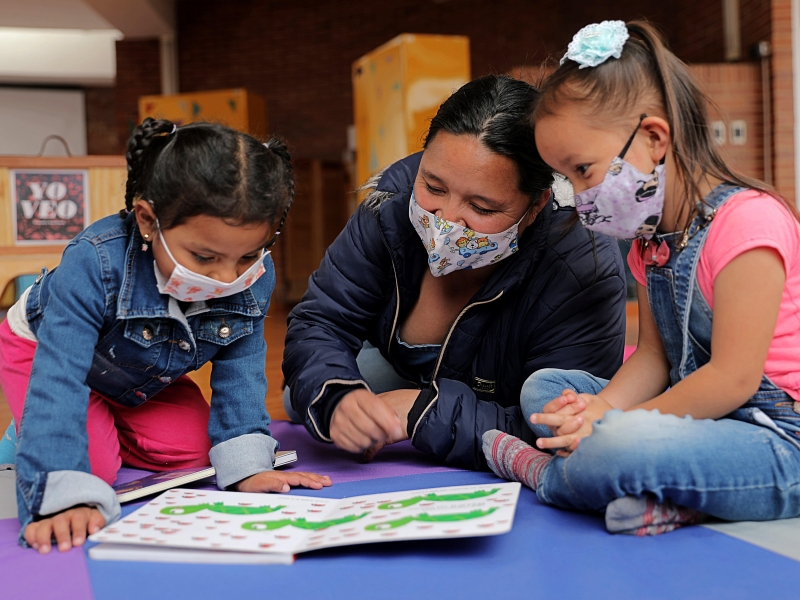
(139, 295)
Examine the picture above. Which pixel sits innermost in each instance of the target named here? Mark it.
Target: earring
(146, 237)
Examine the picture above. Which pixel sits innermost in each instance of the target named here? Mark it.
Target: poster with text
(50, 206)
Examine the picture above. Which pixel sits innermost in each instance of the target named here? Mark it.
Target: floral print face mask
(187, 286)
(627, 203)
(452, 247)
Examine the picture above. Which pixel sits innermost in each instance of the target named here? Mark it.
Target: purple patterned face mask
(627, 203)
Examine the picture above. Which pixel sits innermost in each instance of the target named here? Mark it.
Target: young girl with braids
(94, 356)
(703, 418)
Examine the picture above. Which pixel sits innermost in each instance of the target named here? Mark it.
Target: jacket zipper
(441, 355)
(452, 328)
(396, 290)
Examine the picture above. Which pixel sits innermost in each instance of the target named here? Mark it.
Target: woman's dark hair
(497, 110)
(207, 169)
(648, 74)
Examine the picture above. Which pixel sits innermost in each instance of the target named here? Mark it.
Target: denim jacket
(101, 324)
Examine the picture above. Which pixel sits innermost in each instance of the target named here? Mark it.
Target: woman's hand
(280, 481)
(570, 418)
(364, 421)
(68, 527)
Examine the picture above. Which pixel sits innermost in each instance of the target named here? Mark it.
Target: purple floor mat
(393, 461)
(26, 575)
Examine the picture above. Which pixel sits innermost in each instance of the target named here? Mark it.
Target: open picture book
(158, 482)
(184, 525)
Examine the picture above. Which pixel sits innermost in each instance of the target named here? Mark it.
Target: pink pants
(169, 431)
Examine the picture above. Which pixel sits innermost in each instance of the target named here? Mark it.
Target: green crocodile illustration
(426, 518)
(219, 507)
(300, 523)
(437, 498)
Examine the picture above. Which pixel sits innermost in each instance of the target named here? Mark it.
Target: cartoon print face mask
(627, 203)
(452, 247)
(187, 286)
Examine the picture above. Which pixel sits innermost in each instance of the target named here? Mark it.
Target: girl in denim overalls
(94, 356)
(703, 418)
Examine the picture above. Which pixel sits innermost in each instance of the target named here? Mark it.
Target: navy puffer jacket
(554, 304)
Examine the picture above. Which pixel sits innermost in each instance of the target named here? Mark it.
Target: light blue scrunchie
(595, 43)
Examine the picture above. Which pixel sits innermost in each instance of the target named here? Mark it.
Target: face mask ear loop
(642, 117)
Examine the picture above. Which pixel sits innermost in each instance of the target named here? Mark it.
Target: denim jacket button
(147, 333)
(224, 331)
(184, 345)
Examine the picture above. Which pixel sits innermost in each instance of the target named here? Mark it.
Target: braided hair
(207, 169)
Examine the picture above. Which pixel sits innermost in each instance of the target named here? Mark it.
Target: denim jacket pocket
(223, 329)
(134, 343)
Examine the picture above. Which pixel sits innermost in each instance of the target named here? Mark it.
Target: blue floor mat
(549, 553)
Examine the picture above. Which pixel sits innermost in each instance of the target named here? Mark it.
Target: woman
(466, 277)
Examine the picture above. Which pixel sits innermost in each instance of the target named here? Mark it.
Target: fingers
(384, 416)
(69, 529)
(568, 402)
(80, 521)
(363, 420)
(370, 452)
(277, 481)
(309, 480)
(61, 530)
(552, 420)
(554, 443)
(572, 425)
(96, 521)
(34, 531)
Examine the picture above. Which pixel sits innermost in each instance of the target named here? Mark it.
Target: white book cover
(290, 524)
(158, 482)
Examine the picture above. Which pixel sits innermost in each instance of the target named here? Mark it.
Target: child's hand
(280, 481)
(560, 410)
(68, 527)
(572, 421)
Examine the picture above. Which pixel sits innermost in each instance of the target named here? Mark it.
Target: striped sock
(511, 458)
(645, 516)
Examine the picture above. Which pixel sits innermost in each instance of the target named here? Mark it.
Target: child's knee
(541, 387)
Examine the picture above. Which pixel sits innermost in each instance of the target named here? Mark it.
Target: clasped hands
(569, 417)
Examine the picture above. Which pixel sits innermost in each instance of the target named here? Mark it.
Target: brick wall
(696, 30)
(112, 113)
(736, 91)
(783, 98)
(297, 55)
(756, 23)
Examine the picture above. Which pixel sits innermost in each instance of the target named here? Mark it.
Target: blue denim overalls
(684, 321)
(744, 466)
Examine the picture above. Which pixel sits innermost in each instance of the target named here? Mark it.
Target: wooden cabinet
(397, 89)
(236, 108)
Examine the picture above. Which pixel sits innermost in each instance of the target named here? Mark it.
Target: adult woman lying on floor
(465, 275)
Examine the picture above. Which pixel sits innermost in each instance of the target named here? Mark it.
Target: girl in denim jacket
(94, 356)
(703, 418)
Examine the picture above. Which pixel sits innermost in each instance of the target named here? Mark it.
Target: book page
(434, 513)
(183, 518)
